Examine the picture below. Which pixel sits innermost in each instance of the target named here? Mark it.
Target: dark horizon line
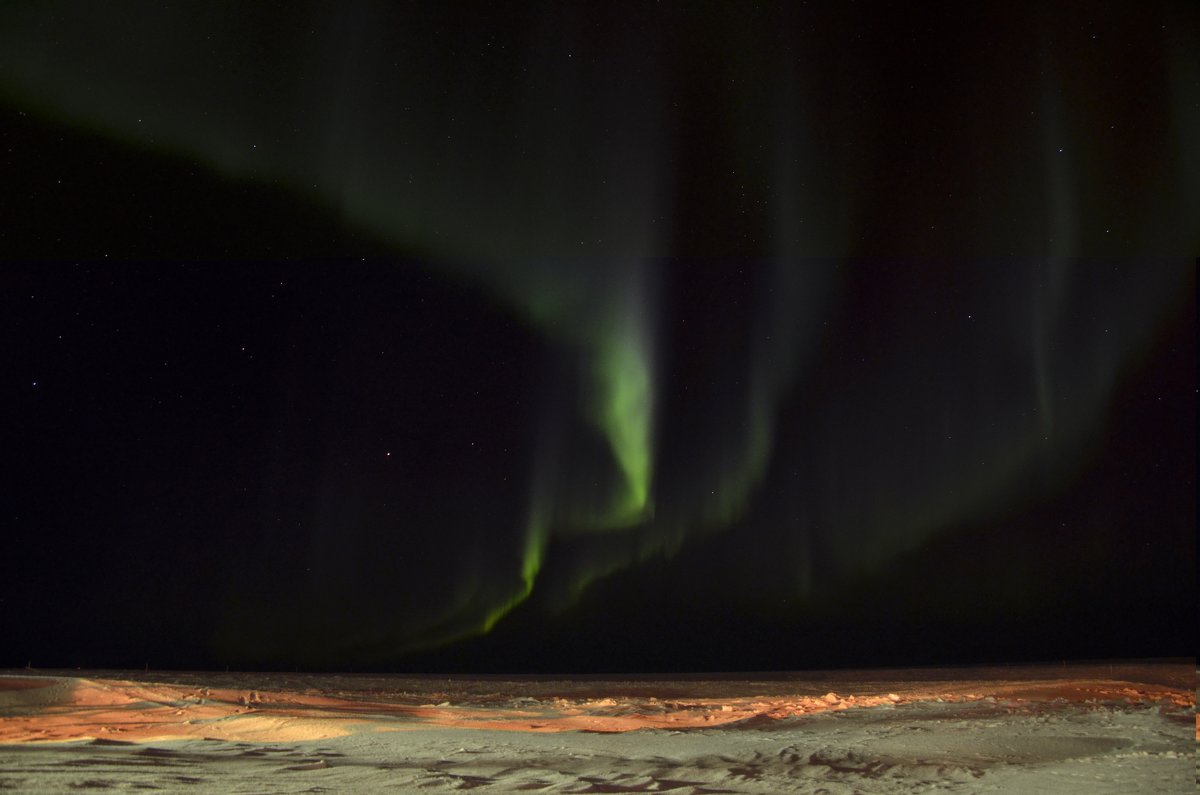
(603, 676)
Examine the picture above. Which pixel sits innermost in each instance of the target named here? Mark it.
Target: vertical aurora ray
(622, 407)
(714, 490)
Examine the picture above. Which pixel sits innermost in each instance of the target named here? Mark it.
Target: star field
(687, 337)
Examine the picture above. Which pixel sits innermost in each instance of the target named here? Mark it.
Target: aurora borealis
(374, 335)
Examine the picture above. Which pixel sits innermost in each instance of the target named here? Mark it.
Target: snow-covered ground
(1085, 729)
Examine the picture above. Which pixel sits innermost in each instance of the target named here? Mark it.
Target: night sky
(596, 338)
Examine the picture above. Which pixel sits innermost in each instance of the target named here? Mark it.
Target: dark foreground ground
(1082, 728)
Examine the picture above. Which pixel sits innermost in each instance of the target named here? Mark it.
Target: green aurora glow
(571, 247)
